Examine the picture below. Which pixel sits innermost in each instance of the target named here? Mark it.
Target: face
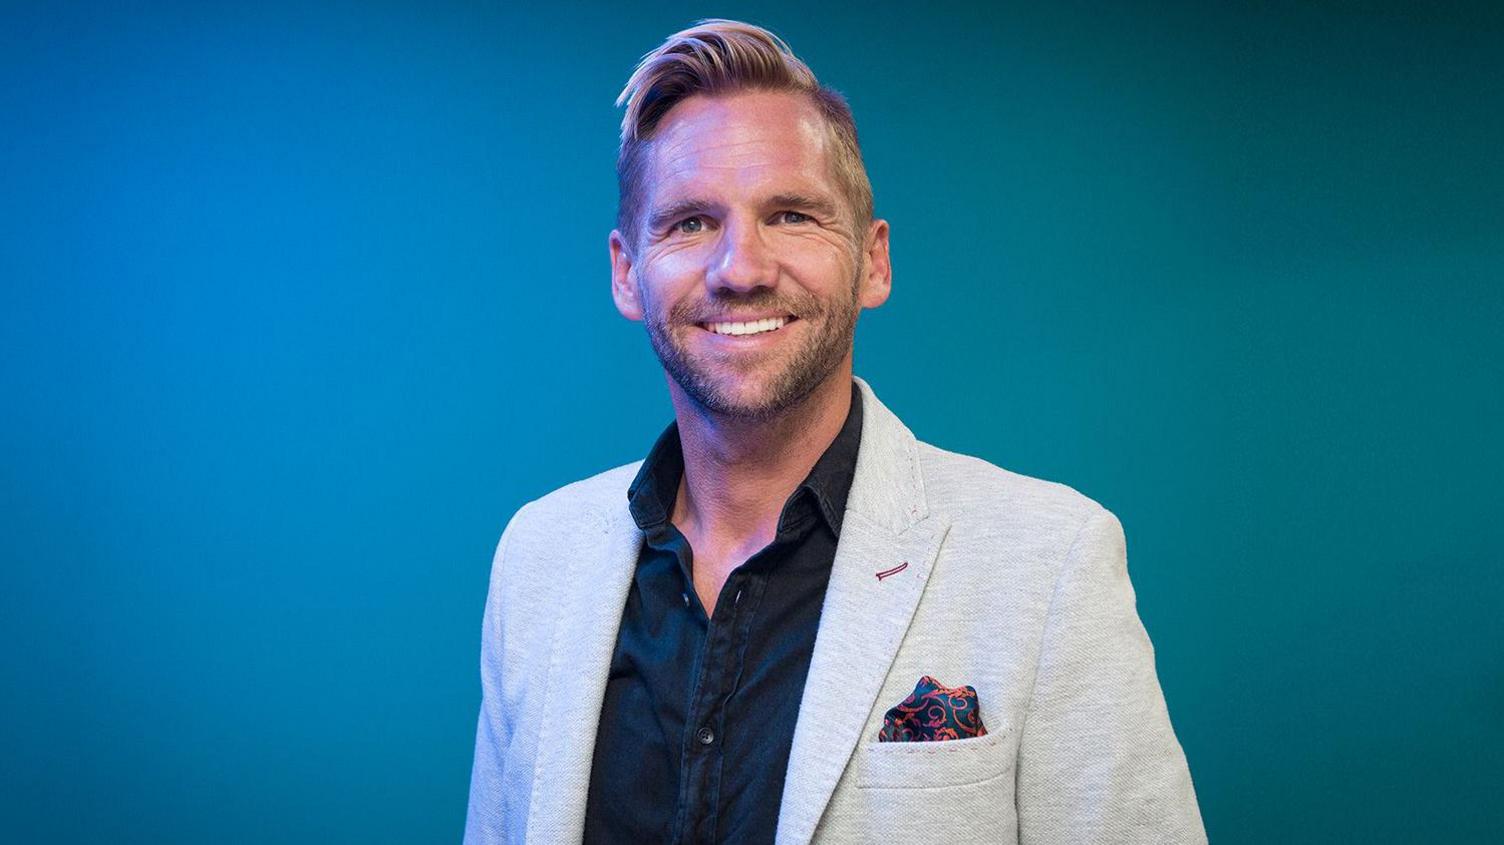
(749, 269)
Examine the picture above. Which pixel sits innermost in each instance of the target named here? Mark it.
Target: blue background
(300, 303)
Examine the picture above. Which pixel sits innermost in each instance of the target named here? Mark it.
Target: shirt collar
(652, 493)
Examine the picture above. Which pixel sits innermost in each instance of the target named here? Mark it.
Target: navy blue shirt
(699, 711)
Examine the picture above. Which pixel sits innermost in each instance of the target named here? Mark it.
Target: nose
(743, 262)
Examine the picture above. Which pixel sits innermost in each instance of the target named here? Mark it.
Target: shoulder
(556, 527)
(971, 491)
(588, 506)
(593, 498)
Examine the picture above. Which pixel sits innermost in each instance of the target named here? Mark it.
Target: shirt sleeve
(1098, 760)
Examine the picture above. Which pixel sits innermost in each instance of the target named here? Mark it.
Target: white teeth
(752, 327)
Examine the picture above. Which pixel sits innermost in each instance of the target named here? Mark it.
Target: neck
(739, 472)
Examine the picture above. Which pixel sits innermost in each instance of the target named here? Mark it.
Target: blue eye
(794, 217)
(690, 225)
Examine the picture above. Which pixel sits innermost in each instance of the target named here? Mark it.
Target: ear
(623, 289)
(877, 278)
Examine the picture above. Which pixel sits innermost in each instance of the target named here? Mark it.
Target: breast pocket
(929, 765)
(957, 790)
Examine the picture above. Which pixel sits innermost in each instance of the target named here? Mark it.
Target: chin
(753, 399)
(736, 399)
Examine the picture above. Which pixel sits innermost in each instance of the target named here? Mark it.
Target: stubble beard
(805, 370)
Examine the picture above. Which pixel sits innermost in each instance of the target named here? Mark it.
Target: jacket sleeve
(1098, 760)
(486, 818)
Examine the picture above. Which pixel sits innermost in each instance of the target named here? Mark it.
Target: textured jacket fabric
(1014, 586)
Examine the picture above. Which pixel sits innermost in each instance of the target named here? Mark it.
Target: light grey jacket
(1016, 586)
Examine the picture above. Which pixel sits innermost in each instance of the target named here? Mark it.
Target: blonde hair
(717, 56)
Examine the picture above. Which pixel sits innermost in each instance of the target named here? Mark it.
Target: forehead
(740, 146)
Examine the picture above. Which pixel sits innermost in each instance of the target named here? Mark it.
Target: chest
(699, 710)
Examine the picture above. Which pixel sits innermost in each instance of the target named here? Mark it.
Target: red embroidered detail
(894, 571)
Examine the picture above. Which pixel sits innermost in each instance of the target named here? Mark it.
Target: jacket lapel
(864, 618)
(599, 574)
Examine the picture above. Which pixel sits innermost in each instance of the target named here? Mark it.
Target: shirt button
(705, 736)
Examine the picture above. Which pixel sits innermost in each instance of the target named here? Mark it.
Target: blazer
(1013, 585)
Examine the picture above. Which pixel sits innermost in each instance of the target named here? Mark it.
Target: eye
(793, 217)
(690, 226)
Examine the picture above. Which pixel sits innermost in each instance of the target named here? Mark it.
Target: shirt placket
(702, 755)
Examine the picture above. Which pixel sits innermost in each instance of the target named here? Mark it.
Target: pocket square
(934, 712)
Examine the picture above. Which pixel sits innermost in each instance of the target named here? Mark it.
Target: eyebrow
(680, 209)
(804, 202)
(675, 211)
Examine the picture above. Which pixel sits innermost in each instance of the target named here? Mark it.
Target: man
(794, 621)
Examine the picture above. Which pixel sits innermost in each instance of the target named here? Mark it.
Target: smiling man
(793, 621)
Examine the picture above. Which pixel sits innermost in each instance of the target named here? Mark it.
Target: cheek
(671, 271)
(679, 264)
(822, 267)
(665, 282)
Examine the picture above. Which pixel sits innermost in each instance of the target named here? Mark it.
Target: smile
(769, 324)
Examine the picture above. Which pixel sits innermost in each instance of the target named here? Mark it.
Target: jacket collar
(888, 488)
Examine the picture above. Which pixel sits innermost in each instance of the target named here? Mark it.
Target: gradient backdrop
(299, 303)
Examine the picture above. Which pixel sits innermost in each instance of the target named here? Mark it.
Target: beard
(787, 375)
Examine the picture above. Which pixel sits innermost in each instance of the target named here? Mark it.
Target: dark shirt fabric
(699, 712)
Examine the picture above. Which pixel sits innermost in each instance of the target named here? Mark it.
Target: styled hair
(715, 57)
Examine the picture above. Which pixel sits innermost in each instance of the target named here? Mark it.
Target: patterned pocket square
(934, 712)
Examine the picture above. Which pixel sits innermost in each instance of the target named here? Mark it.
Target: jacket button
(705, 736)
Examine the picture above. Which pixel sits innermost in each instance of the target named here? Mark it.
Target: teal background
(300, 303)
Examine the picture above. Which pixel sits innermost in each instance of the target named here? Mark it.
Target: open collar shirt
(699, 710)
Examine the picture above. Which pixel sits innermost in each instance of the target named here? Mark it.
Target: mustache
(720, 307)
